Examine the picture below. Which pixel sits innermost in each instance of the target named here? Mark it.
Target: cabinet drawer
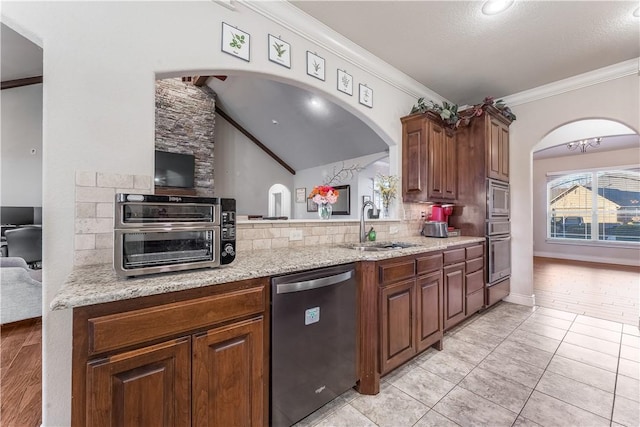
(498, 291)
(475, 301)
(427, 264)
(395, 271)
(133, 327)
(474, 265)
(454, 255)
(475, 281)
(475, 251)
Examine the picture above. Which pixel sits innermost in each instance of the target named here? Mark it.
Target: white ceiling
(464, 56)
(448, 46)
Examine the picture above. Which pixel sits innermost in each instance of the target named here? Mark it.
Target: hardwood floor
(605, 291)
(21, 374)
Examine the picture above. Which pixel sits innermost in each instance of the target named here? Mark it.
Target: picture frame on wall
(315, 66)
(312, 206)
(236, 42)
(279, 51)
(301, 195)
(366, 199)
(366, 96)
(345, 82)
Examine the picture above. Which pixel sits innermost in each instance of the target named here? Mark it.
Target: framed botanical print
(345, 82)
(366, 95)
(279, 51)
(315, 66)
(236, 42)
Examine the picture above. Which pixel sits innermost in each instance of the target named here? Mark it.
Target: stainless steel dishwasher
(313, 340)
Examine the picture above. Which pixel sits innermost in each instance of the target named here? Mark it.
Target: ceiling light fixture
(583, 144)
(493, 7)
(636, 12)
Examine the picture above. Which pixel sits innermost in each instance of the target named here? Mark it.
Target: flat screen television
(174, 170)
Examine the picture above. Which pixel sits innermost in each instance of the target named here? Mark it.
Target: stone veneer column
(185, 120)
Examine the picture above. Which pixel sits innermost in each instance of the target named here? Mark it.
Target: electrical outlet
(423, 214)
(393, 229)
(295, 234)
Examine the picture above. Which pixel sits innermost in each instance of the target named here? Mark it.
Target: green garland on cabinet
(453, 118)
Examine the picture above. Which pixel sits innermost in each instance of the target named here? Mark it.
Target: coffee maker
(440, 213)
(437, 221)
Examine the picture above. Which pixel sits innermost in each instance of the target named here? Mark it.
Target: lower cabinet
(454, 294)
(199, 361)
(397, 324)
(429, 309)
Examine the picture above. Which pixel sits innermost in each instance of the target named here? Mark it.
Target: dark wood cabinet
(397, 324)
(454, 294)
(429, 310)
(191, 357)
(429, 159)
(497, 148)
(149, 386)
(228, 375)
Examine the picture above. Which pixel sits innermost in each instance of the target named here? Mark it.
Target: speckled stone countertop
(99, 284)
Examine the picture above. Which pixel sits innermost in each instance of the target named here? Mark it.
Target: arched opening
(586, 210)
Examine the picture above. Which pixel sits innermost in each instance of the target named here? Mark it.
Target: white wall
(21, 174)
(615, 100)
(244, 171)
(580, 251)
(101, 61)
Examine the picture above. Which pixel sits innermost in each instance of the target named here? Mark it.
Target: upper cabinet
(497, 137)
(429, 159)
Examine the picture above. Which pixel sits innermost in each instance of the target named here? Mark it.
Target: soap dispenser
(372, 235)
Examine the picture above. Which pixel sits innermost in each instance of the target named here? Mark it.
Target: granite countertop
(99, 283)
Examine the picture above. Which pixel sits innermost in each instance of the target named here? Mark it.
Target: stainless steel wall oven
(498, 231)
(155, 234)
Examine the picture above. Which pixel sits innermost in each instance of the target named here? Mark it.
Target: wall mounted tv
(174, 170)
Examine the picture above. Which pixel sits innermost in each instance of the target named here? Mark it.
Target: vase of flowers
(387, 187)
(324, 196)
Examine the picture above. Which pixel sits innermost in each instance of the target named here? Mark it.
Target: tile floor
(510, 365)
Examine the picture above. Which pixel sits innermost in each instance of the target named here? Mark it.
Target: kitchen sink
(374, 247)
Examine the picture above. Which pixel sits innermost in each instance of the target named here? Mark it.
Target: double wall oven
(498, 232)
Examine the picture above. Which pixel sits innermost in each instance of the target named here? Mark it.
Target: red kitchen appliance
(440, 213)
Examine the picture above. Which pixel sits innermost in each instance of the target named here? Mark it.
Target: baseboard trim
(599, 260)
(528, 300)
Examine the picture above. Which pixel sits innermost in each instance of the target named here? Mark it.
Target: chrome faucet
(363, 232)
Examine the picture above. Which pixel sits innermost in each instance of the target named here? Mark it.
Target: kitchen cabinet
(191, 357)
(429, 159)
(397, 324)
(429, 301)
(497, 147)
(454, 294)
(474, 279)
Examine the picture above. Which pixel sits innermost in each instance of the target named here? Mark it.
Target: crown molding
(601, 75)
(300, 23)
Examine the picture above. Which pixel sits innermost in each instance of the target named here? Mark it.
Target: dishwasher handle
(305, 285)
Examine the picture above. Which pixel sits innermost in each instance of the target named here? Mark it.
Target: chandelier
(583, 144)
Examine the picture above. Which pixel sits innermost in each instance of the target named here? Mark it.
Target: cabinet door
(451, 167)
(145, 387)
(414, 160)
(454, 294)
(397, 324)
(228, 365)
(498, 150)
(429, 310)
(437, 169)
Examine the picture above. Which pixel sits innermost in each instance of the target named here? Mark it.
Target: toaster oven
(156, 234)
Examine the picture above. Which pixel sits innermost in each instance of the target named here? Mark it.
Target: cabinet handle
(313, 284)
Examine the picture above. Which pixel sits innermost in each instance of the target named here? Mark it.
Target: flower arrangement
(453, 118)
(387, 187)
(322, 194)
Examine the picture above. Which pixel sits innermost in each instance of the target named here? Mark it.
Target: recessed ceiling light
(275, 122)
(493, 7)
(636, 12)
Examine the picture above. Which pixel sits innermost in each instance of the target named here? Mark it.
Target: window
(595, 205)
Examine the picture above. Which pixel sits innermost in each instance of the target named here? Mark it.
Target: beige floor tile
(551, 412)
(631, 340)
(626, 412)
(588, 356)
(549, 321)
(631, 330)
(447, 367)
(523, 373)
(556, 313)
(463, 350)
(347, 416)
(479, 338)
(576, 393)
(596, 377)
(597, 344)
(466, 408)
(596, 332)
(391, 407)
(629, 368)
(524, 353)
(630, 353)
(423, 386)
(544, 330)
(491, 327)
(534, 340)
(628, 387)
(434, 419)
(496, 388)
(600, 323)
(523, 422)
